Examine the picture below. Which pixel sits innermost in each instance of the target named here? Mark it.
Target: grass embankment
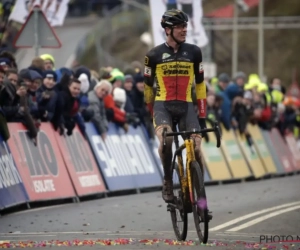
(282, 48)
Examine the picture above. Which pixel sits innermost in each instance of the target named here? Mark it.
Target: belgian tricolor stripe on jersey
(174, 81)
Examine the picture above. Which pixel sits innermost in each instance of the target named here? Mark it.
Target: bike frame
(185, 176)
(185, 173)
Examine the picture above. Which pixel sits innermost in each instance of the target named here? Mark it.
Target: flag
(54, 10)
(193, 8)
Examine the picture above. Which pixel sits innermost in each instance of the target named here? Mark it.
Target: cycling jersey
(175, 74)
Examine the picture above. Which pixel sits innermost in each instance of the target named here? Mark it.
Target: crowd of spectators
(66, 97)
(245, 100)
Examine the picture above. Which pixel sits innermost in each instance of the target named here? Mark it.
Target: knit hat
(85, 84)
(138, 78)
(116, 75)
(128, 78)
(119, 95)
(82, 70)
(224, 77)
(34, 75)
(240, 74)
(50, 74)
(48, 57)
(4, 61)
(25, 74)
(41, 72)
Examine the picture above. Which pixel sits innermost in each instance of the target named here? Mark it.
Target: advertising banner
(193, 8)
(262, 149)
(55, 10)
(110, 159)
(138, 156)
(252, 157)
(214, 159)
(292, 145)
(80, 163)
(234, 155)
(280, 153)
(41, 167)
(12, 191)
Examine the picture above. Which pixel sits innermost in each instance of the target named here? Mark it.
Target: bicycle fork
(190, 153)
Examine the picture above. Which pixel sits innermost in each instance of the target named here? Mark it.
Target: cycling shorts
(165, 112)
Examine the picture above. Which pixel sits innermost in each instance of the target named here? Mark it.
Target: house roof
(227, 11)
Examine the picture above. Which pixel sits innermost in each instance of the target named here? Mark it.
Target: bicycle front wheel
(178, 212)
(200, 210)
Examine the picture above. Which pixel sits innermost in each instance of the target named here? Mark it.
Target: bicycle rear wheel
(177, 210)
(200, 210)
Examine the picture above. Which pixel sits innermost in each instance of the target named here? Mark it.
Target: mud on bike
(190, 196)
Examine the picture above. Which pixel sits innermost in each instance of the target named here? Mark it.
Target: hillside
(282, 48)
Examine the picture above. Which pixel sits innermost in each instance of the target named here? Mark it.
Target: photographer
(47, 97)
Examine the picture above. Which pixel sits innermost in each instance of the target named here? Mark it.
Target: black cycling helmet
(173, 17)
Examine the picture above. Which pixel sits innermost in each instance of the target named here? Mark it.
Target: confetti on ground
(115, 242)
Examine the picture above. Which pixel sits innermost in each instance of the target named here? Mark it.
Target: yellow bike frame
(185, 178)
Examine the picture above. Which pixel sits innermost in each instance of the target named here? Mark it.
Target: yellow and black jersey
(175, 73)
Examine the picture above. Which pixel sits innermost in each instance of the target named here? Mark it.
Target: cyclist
(175, 64)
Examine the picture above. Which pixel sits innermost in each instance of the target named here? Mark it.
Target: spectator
(10, 61)
(47, 98)
(63, 71)
(128, 85)
(113, 112)
(49, 61)
(34, 84)
(139, 105)
(12, 76)
(4, 63)
(94, 79)
(37, 64)
(84, 76)
(236, 88)
(70, 104)
(96, 104)
(226, 104)
(119, 96)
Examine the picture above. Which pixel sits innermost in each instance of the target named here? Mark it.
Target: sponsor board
(12, 190)
(41, 167)
(80, 163)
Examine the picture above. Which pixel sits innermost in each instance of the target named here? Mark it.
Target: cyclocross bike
(191, 196)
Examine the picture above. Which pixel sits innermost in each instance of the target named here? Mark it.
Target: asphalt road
(144, 217)
(70, 34)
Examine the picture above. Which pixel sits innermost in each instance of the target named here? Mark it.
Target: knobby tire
(176, 214)
(200, 206)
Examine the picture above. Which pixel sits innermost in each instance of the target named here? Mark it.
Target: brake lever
(218, 134)
(164, 139)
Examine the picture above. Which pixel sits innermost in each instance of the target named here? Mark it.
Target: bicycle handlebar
(215, 129)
